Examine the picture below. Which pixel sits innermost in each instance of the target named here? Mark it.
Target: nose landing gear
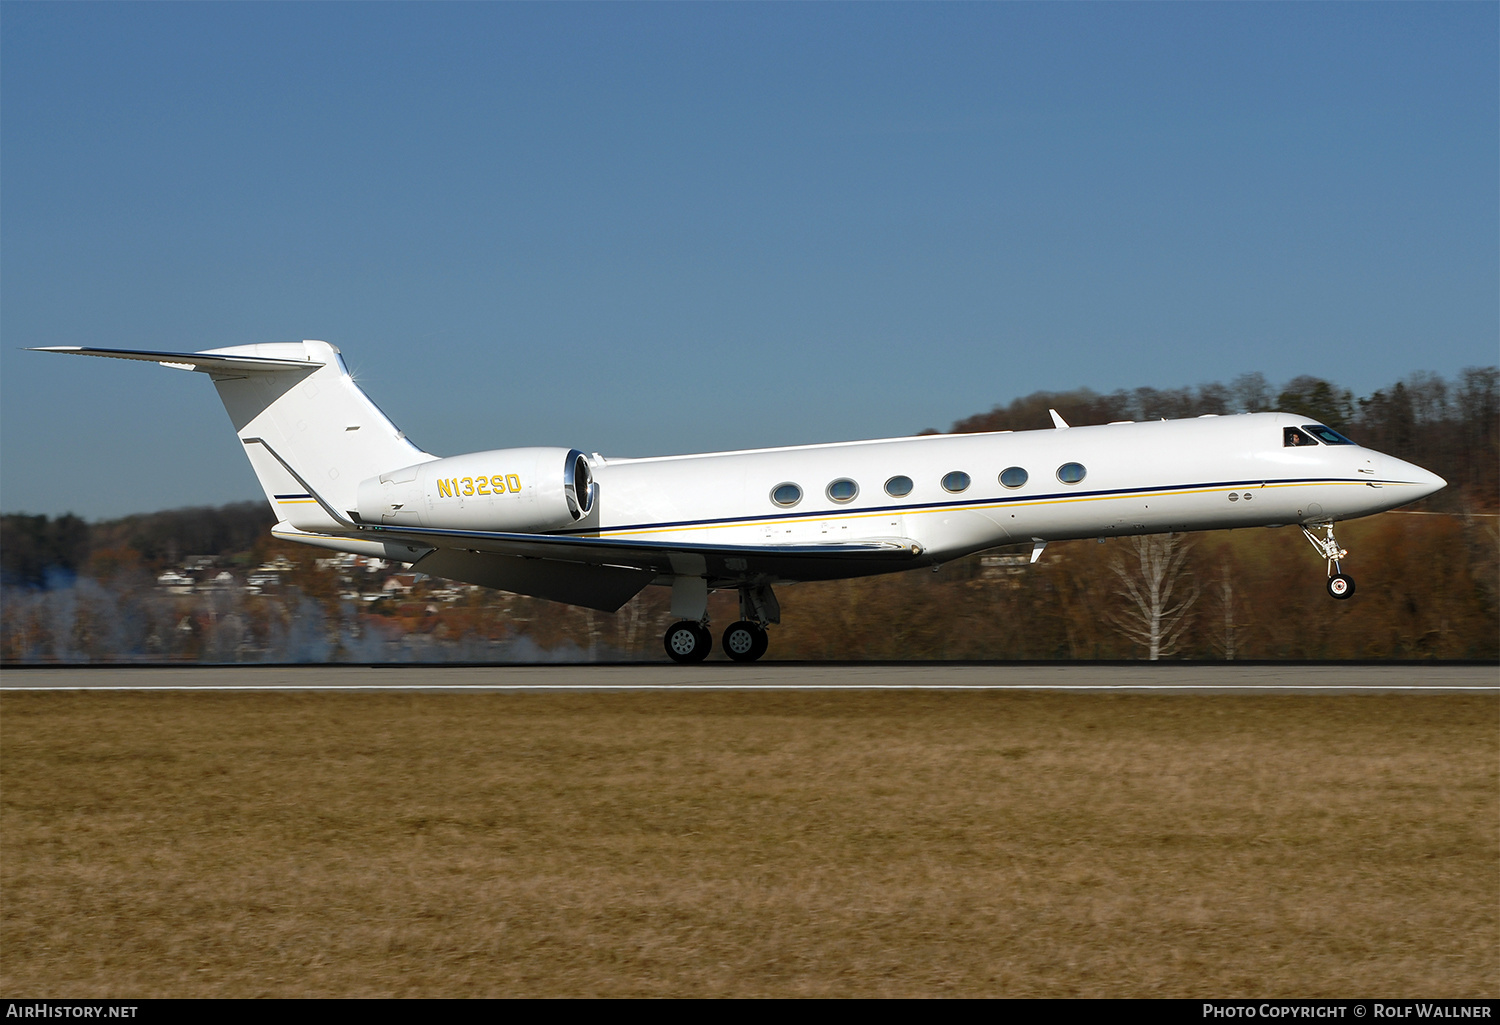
(1340, 585)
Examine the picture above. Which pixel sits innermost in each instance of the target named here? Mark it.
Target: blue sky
(657, 228)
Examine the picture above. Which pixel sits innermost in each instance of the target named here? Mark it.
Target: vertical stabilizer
(309, 430)
(318, 422)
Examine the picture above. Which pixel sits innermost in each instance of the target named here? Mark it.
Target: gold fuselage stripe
(830, 515)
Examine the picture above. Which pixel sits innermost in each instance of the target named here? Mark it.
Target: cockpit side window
(1293, 438)
(1327, 435)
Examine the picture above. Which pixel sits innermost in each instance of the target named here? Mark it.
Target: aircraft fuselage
(1177, 475)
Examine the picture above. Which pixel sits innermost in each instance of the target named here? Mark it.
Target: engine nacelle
(514, 490)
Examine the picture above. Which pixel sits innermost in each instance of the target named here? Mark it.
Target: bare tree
(1252, 393)
(1222, 594)
(1159, 594)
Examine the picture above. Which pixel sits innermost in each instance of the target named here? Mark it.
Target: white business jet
(593, 531)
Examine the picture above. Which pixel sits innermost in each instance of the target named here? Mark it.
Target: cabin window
(898, 487)
(843, 490)
(1013, 477)
(1071, 473)
(956, 481)
(1293, 438)
(786, 494)
(1327, 435)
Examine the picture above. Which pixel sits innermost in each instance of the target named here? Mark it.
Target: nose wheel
(1340, 584)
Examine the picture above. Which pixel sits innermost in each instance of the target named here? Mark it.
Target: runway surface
(1143, 678)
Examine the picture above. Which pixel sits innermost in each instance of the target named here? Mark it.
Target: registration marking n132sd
(499, 484)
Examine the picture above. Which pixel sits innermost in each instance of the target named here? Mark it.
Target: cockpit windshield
(1293, 438)
(1327, 435)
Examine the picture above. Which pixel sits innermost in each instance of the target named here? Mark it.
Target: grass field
(749, 844)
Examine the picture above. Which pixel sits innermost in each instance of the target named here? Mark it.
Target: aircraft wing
(605, 573)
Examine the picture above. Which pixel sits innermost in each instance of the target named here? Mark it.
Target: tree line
(38, 550)
(1427, 590)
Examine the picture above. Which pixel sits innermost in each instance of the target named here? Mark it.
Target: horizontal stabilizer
(201, 361)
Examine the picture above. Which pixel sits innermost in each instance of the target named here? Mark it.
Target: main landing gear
(689, 641)
(745, 641)
(1340, 585)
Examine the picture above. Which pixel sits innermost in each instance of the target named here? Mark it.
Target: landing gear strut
(1340, 585)
(746, 640)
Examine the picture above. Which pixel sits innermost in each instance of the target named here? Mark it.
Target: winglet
(1057, 420)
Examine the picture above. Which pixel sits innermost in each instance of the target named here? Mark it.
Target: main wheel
(745, 641)
(1340, 586)
(687, 641)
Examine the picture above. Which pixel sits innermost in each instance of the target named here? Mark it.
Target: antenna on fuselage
(1057, 420)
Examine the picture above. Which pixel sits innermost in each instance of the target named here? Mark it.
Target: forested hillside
(213, 585)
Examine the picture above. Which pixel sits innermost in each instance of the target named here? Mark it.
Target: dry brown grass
(749, 844)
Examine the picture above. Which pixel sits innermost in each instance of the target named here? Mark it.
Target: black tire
(687, 641)
(745, 641)
(1340, 586)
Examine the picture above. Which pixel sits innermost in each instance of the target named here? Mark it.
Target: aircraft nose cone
(1426, 481)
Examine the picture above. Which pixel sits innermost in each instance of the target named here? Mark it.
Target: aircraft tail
(311, 434)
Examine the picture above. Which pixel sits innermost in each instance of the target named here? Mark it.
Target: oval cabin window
(1013, 477)
(956, 481)
(786, 494)
(1071, 473)
(898, 487)
(843, 490)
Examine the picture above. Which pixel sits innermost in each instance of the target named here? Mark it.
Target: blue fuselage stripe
(1000, 500)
